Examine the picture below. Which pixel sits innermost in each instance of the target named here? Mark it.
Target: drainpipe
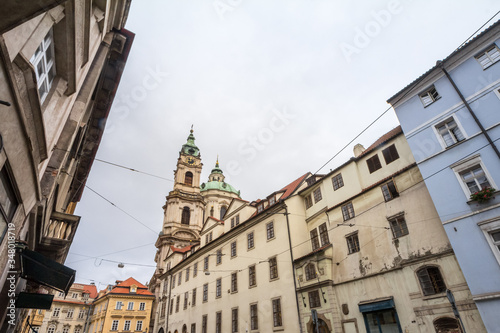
(293, 267)
(440, 64)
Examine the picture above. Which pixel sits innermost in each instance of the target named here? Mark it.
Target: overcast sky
(274, 87)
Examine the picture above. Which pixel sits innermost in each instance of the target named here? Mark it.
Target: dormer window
(260, 207)
(272, 200)
(133, 288)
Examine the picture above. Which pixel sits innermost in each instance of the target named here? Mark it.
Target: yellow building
(35, 320)
(124, 307)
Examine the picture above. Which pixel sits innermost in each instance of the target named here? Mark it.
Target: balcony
(57, 235)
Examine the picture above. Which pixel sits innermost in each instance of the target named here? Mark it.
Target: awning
(377, 304)
(38, 268)
(34, 301)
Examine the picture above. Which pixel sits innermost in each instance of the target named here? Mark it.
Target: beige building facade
(60, 65)
(360, 249)
(70, 313)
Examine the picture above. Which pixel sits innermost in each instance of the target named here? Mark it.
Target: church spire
(189, 148)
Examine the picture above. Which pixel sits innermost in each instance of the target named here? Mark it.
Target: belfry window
(223, 210)
(188, 178)
(186, 215)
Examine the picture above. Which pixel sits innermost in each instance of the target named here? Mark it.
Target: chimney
(358, 150)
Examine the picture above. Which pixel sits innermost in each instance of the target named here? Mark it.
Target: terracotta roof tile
(386, 137)
(290, 188)
(183, 250)
(90, 289)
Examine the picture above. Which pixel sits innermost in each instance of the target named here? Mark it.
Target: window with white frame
(429, 96)
(126, 326)
(114, 326)
(142, 306)
(119, 305)
(45, 66)
(51, 329)
(491, 231)
(488, 57)
(472, 175)
(131, 305)
(449, 132)
(65, 329)
(56, 312)
(70, 312)
(138, 326)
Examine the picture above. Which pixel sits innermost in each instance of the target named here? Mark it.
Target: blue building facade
(451, 118)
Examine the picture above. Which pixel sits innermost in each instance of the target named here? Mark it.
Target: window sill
(274, 279)
(271, 239)
(429, 297)
(254, 286)
(278, 329)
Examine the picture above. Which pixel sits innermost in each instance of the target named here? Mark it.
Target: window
(233, 249)
(8, 202)
(218, 287)
(254, 317)
(323, 233)
(81, 314)
(45, 68)
(250, 243)
(114, 326)
(193, 298)
(205, 292)
(234, 320)
(218, 322)
(389, 191)
(260, 207)
(390, 154)
(177, 303)
(310, 272)
(475, 179)
(70, 313)
(126, 326)
(186, 215)
(193, 328)
(186, 295)
(488, 57)
(314, 239)
(317, 195)
(218, 258)
(314, 301)
(491, 231)
(348, 211)
(429, 96)
(431, 280)
(204, 324)
(131, 305)
(187, 273)
(74, 295)
(173, 281)
(272, 200)
(398, 226)
(337, 181)
(171, 306)
(179, 280)
(449, 132)
(273, 268)
(138, 326)
(205, 263)
(163, 309)
(52, 329)
(65, 329)
(277, 320)
(223, 211)
(373, 164)
(252, 276)
(352, 243)
(234, 282)
(208, 237)
(78, 329)
(56, 312)
(270, 230)
(195, 269)
(188, 178)
(308, 201)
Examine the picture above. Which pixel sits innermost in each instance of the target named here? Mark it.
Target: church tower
(184, 208)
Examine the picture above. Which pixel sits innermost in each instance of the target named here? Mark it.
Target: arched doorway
(447, 325)
(184, 329)
(322, 327)
(161, 330)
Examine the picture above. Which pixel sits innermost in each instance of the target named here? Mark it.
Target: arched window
(310, 271)
(446, 325)
(186, 215)
(212, 211)
(184, 329)
(188, 178)
(223, 210)
(431, 280)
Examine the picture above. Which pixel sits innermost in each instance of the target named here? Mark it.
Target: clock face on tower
(190, 160)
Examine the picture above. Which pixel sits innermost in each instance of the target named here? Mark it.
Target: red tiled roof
(213, 218)
(130, 281)
(387, 136)
(290, 188)
(90, 289)
(183, 250)
(118, 290)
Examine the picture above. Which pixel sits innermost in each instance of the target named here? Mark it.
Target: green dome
(221, 186)
(189, 147)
